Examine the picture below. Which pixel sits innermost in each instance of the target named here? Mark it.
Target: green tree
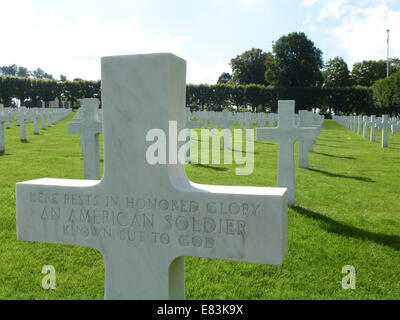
(225, 77)
(72, 90)
(336, 73)
(40, 74)
(10, 70)
(386, 95)
(23, 72)
(295, 62)
(7, 89)
(249, 67)
(366, 72)
(23, 89)
(394, 65)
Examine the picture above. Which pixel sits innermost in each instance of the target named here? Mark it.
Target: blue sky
(69, 37)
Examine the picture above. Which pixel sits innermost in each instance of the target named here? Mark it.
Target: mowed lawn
(347, 213)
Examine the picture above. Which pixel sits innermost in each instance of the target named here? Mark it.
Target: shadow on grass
(340, 228)
(332, 156)
(336, 175)
(206, 166)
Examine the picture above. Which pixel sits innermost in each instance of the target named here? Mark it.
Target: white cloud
(358, 27)
(363, 32)
(201, 74)
(308, 3)
(75, 49)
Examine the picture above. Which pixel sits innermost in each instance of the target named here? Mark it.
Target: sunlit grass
(347, 213)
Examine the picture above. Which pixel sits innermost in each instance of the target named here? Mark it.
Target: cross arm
(44, 208)
(78, 127)
(295, 134)
(249, 223)
(223, 222)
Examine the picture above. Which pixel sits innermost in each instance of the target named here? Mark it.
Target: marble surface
(372, 125)
(22, 117)
(384, 125)
(365, 126)
(34, 116)
(144, 219)
(306, 120)
(3, 119)
(286, 134)
(89, 128)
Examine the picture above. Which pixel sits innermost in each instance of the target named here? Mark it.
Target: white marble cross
(47, 113)
(42, 114)
(372, 124)
(22, 117)
(3, 119)
(306, 120)
(34, 115)
(286, 133)
(89, 128)
(384, 125)
(395, 125)
(365, 126)
(359, 124)
(143, 218)
(355, 123)
(10, 118)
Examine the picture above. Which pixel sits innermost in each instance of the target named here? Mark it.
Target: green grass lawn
(347, 213)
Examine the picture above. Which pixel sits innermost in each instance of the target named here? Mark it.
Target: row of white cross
(304, 127)
(23, 115)
(226, 119)
(361, 124)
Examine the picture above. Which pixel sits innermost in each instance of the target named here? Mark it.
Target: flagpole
(387, 64)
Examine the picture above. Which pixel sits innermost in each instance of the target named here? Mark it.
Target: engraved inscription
(181, 222)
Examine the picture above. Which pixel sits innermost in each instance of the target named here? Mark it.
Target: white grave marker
(89, 128)
(144, 219)
(384, 125)
(365, 126)
(306, 120)
(42, 114)
(3, 119)
(22, 119)
(359, 124)
(372, 125)
(34, 116)
(286, 133)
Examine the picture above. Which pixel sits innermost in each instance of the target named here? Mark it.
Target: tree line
(31, 92)
(382, 97)
(19, 71)
(264, 99)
